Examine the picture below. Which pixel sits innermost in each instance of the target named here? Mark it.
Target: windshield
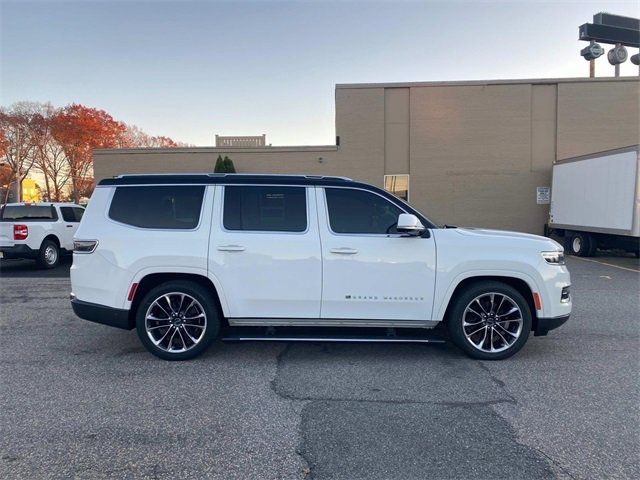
(27, 212)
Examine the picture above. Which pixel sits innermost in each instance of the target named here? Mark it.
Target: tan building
(469, 153)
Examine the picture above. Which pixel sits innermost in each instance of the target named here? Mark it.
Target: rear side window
(265, 208)
(71, 214)
(78, 212)
(29, 212)
(163, 207)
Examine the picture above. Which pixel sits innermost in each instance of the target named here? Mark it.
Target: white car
(186, 259)
(39, 231)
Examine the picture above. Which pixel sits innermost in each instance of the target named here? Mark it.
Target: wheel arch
(152, 280)
(519, 284)
(52, 237)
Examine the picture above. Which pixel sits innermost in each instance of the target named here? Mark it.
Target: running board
(329, 338)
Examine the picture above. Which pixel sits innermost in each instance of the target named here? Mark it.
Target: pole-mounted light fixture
(592, 51)
(610, 29)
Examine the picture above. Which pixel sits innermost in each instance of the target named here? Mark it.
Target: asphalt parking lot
(85, 400)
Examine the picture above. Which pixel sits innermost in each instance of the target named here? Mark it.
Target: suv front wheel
(489, 321)
(177, 320)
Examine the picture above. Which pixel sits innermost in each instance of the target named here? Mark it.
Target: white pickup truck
(39, 231)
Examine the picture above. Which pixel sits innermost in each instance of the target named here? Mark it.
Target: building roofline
(301, 148)
(461, 83)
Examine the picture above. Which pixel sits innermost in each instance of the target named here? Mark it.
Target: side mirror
(409, 224)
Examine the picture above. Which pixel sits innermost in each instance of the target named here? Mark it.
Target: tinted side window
(166, 207)
(269, 209)
(359, 211)
(68, 215)
(79, 212)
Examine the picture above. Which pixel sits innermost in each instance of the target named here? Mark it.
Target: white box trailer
(595, 201)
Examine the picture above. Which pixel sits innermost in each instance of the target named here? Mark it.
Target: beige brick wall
(593, 117)
(471, 156)
(319, 161)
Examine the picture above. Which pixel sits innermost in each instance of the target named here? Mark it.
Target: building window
(398, 185)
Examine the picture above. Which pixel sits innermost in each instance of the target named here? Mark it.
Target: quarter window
(360, 212)
(164, 207)
(265, 208)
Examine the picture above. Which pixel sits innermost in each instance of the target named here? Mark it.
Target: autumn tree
(134, 137)
(15, 125)
(48, 155)
(6, 178)
(78, 130)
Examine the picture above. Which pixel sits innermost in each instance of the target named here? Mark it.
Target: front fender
(450, 287)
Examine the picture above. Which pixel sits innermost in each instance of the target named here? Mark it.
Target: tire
(179, 340)
(48, 255)
(512, 328)
(581, 244)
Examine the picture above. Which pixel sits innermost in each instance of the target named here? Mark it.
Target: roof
(257, 150)
(222, 178)
(462, 83)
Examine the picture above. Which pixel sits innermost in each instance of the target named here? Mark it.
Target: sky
(189, 70)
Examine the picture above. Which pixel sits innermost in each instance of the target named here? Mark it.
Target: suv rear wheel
(177, 320)
(48, 255)
(489, 321)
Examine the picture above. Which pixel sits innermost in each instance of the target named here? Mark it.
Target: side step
(388, 335)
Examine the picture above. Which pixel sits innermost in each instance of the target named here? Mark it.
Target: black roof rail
(221, 178)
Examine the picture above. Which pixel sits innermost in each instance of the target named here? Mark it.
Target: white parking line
(607, 264)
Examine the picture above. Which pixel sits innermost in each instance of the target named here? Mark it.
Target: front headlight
(554, 258)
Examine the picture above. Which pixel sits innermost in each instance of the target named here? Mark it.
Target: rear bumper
(543, 325)
(114, 317)
(18, 251)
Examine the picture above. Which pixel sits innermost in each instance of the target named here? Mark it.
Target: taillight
(84, 246)
(20, 232)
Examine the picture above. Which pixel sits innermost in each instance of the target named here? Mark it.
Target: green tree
(228, 165)
(219, 168)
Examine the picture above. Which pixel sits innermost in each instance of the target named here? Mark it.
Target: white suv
(186, 259)
(40, 231)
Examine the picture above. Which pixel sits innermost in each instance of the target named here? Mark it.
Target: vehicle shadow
(29, 269)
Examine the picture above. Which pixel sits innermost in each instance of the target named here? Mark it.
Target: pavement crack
(307, 472)
(552, 460)
(498, 382)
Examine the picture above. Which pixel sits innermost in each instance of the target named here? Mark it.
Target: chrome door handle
(344, 251)
(231, 248)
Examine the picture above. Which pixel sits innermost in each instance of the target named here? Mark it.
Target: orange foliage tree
(78, 130)
(136, 138)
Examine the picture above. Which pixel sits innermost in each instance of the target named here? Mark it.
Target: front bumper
(114, 317)
(18, 251)
(542, 326)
